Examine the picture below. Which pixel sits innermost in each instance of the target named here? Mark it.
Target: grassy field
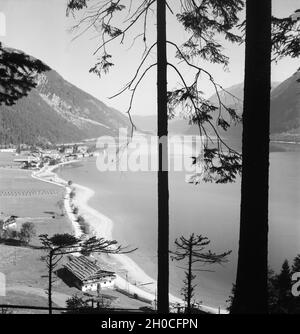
(37, 202)
(24, 196)
(7, 160)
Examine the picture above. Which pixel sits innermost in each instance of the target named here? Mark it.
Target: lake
(130, 200)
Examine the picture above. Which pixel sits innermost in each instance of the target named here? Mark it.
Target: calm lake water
(129, 199)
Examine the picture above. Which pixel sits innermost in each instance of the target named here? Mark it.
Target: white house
(88, 276)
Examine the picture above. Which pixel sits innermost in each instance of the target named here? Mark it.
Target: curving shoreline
(102, 226)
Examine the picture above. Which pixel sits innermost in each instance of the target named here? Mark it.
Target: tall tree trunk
(163, 187)
(189, 292)
(50, 283)
(251, 294)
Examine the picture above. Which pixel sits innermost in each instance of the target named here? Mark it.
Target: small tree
(83, 225)
(54, 246)
(284, 284)
(27, 232)
(61, 206)
(76, 302)
(192, 250)
(61, 244)
(72, 193)
(296, 264)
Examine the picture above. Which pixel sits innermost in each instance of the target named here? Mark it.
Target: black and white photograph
(149, 160)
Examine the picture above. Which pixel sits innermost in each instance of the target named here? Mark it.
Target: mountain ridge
(285, 112)
(56, 111)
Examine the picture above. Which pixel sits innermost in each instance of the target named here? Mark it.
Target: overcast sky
(41, 28)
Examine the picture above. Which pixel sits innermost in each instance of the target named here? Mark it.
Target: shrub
(72, 193)
(83, 225)
(27, 232)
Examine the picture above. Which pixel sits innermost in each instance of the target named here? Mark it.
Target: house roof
(85, 269)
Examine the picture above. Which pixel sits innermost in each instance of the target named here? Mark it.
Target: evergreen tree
(17, 74)
(252, 274)
(284, 286)
(27, 232)
(286, 36)
(192, 250)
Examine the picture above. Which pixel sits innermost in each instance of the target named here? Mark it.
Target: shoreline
(102, 226)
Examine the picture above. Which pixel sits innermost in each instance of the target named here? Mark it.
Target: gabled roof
(84, 269)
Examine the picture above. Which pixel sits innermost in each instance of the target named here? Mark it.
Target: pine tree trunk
(50, 284)
(189, 291)
(163, 190)
(251, 294)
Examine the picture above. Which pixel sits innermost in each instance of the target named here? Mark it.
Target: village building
(82, 149)
(28, 162)
(8, 150)
(52, 154)
(9, 223)
(68, 150)
(88, 276)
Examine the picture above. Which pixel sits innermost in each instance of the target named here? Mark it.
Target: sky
(41, 29)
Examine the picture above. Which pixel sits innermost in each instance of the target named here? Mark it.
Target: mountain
(285, 113)
(181, 126)
(236, 94)
(285, 109)
(285, 106)
(232, 97)
(57, 112)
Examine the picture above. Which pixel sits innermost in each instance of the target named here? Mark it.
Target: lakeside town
(35, 157)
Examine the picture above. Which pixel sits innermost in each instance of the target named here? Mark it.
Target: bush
(80, 220)
(27, 232)
(72, 193)
(61, 206)
(1, 228)
(83, 225)
(10, 234)
(85, 228)
(76, 302)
